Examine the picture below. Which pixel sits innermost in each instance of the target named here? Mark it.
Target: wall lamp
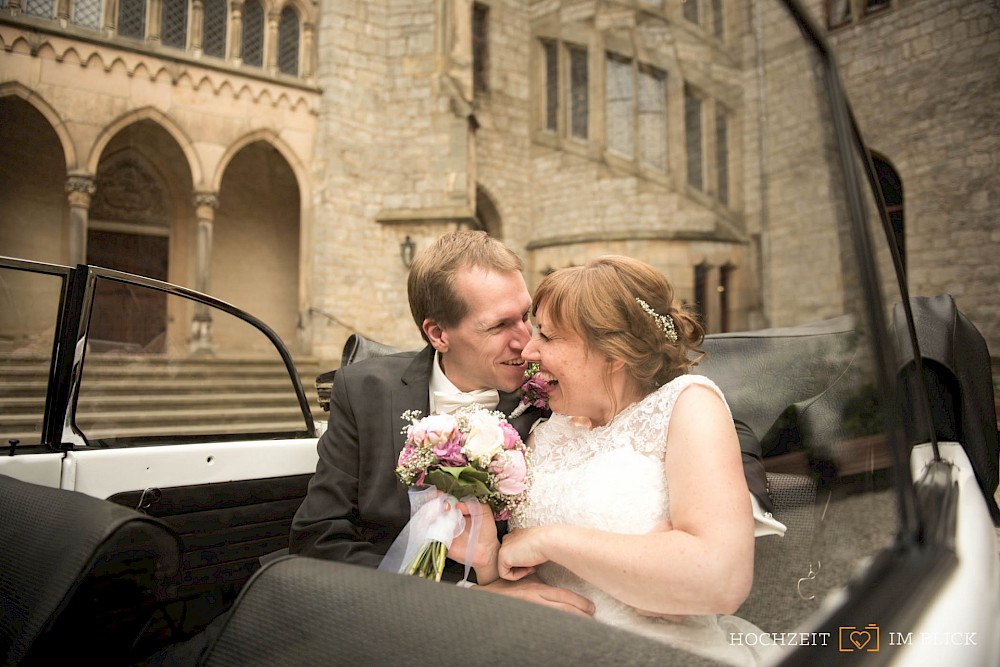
(406, 251)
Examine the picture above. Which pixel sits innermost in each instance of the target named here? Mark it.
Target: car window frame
(76, 302)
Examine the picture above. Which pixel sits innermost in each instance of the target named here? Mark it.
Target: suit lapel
(412, 393)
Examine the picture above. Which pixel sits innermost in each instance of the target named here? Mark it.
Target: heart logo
(860, 639)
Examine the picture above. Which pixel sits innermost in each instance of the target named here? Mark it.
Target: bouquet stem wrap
(422, 547)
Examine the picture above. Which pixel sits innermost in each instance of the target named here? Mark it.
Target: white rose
(485, 438)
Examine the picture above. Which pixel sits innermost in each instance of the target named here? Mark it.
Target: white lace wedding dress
(611, 478)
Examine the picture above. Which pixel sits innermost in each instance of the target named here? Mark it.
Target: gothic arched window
(174, 20)
(87, 13)
(214, 41)
(44, 8)
(288, 42)
(253, 33)
(892, 192)
(132, 18)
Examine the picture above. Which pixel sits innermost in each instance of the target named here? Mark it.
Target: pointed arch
(161, 119)
(14, 89)
(892, 193)
(269, 137)
(488, 216)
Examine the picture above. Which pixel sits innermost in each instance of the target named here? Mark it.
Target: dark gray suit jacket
(355, 506)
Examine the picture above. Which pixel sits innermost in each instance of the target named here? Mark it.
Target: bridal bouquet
(473, 453)
(534, 391)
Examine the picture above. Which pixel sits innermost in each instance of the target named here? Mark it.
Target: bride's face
(577, 375)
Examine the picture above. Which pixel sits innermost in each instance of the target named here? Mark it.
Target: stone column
(236, 31)
(154, 21)
(205, 204)
(271, 43)
(110, 19)
(197, 26)
(62, 12)
(308, 39)
(79, 189)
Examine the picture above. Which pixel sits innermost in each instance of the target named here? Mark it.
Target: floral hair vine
(663, 321)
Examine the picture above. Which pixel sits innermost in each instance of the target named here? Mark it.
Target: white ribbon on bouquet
(430, 521)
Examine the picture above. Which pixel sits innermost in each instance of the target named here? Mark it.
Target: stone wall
(925, 84)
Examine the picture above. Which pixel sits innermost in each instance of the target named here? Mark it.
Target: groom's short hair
(431, 283)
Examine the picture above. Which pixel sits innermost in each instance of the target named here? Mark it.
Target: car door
(203, 423)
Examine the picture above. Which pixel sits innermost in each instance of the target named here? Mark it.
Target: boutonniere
(534, 391)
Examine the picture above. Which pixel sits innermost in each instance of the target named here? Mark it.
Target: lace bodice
(612, 478)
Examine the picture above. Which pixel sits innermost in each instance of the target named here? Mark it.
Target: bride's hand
(521, 552)
(483, 552)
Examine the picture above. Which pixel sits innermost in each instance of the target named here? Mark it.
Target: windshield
(817, 300)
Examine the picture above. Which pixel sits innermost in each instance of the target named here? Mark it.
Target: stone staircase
(151, 395)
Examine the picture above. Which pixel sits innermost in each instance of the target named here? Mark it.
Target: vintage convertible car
(144, 484)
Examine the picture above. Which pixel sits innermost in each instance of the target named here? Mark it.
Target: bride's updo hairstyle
(605, 303)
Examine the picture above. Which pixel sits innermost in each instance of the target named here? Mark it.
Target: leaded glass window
(551, 85)
(653, 117)
(288, 42)
(620, 104)
(718, 19)
(253, 33)
(693, 140)
(86, 13)
(46, 8)
(578, 110)
(839, 12)
(691, 10)
(214, 36)
(173, 21)
(480, 47)
(132, 18)
(722, 153)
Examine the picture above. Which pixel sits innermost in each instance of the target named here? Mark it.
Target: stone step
(152, 396)
(35, 404)
(163, 386)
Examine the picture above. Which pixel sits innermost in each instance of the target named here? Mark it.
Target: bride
(638, 500)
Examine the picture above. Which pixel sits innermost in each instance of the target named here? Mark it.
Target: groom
(469, 299)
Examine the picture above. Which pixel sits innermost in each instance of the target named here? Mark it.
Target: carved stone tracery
(127, 191)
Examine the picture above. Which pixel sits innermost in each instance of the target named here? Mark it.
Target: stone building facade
(293, 182)
(926, 91)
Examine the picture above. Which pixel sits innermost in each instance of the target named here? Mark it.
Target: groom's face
(483, 351)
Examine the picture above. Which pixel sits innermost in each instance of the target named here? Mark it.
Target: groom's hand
(481, 554)
(531, 589)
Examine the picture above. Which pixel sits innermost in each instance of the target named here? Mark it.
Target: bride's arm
(705, 564)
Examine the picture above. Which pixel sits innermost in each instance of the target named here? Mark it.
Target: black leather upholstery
(304, 611)
(959, 380)
(80, 577)
(358, 347)
(765, 373)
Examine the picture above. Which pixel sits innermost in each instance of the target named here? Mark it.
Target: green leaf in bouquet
(459, 481)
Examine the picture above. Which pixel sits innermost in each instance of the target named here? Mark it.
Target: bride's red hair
(597, 301)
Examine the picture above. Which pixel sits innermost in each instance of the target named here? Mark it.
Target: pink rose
(433, 430)
(407, 454)
(510, 470)
(511, 439)
(450, 453)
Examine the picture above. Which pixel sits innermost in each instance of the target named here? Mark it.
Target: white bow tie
(445, 403)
